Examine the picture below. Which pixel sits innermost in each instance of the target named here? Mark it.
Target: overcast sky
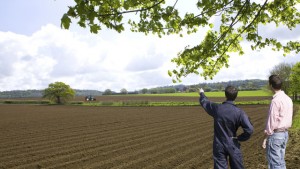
(35, 51)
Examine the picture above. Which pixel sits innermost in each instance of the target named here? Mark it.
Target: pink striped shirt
(280, 113)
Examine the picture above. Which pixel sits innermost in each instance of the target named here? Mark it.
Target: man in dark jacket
(227, 119)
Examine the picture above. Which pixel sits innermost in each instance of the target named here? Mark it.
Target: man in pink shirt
(278, 122)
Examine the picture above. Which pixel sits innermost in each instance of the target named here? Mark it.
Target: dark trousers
(224, 154)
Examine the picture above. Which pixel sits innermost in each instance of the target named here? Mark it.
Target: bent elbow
(245, 136)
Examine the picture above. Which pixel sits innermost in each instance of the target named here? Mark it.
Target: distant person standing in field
(227, 119)
(278, 122)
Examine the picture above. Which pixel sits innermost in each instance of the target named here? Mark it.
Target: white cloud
(110, 60)
(254, 64)
(84, 61)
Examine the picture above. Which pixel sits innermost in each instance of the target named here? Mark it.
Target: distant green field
(218, 94)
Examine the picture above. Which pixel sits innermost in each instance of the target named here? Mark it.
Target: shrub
(107, 103)
(76, 102)
(135, 103)
(26, 102)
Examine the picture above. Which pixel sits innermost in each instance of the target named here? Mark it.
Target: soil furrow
(117, 137)
(84, 136)
(120, 143)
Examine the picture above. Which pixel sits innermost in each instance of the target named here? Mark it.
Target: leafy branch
(239, 35)
(238, 18)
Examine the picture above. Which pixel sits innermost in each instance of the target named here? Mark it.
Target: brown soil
(39, 136)
(120, 98)
(166, 98)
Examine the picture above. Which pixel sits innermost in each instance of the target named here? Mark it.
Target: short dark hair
(231, 93)
(275, 81)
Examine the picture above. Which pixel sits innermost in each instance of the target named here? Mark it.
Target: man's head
(231, 93)
(275, 82)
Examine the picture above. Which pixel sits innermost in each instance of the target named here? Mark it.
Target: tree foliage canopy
(295, 80)
(284, 72)
(59, 92)
(107, 92)
(123, 91)
(239, 20)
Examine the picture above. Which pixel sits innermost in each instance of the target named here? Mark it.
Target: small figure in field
(278, 122)
(90, 98)
(227, 119)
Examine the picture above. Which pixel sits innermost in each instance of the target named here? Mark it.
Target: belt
(280, 130)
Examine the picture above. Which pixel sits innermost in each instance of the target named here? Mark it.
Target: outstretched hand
(201, 90)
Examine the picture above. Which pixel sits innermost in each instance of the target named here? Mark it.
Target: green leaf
(278, 45)
(169, 73)
(65, 21)
(94, 28)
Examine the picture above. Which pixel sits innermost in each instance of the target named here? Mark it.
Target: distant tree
(284, 71)
(107, 92)
(251, 86)
(243, 86)
(144, 91)
(153, 91)
(59, 92)
(184, 88)
(133, 92)
(220, 87)
(191, 90)
(123, 91)
(295, 81)
(169, 90)
(207, 89)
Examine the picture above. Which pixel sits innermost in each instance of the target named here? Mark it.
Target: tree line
(254, 84)
(34, 93)
(290, 74)
(60, 93)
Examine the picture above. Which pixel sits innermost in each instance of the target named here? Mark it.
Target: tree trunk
(58, 100)
(294, 97)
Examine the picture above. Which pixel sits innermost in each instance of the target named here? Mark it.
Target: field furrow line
(23, 126)
(96, 147)
(170, 158)
(76, 128)
(91, 139)
(130, 147)
(144, 148)
(42, 132)
(79, 156)
(255, 141)
(196, 161)
(71, 146)
(154, 149)
(86, 136)
(152, 154)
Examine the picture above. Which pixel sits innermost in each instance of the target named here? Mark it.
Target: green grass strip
(25, 102)
(254, 93)
(147, 103)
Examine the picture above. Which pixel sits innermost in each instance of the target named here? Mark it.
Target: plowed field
(39, 136)
(120, 98)
(154, 98)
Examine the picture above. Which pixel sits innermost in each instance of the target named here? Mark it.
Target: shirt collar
(229, 102)
(278, 93)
